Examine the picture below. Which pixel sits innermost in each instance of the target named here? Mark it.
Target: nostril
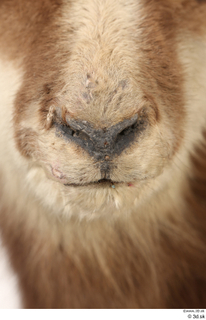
(125, 132)
(129, 130)
(75, 133)
(81, 135)
(67, 130)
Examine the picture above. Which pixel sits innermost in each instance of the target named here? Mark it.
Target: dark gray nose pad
(102, 144)
(112, 141)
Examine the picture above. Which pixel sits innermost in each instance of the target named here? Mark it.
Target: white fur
(9, 84)
(9, 289)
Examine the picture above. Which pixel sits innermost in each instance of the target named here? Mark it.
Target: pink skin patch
(130, 184)
(57, 174)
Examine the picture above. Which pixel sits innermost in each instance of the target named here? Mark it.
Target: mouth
(99, 183)
(102, 183)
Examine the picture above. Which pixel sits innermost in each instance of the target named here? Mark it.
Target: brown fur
(138, 247)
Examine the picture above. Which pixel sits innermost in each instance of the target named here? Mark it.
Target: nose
(102, 144)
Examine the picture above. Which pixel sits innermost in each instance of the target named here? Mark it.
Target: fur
(74, 242)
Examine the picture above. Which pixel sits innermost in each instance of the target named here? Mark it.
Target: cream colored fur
(9, 292)
(157, 176)
(10, 81)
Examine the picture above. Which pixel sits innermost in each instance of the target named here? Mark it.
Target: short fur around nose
(102, 144)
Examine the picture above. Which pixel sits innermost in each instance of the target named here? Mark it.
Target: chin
(91, 200)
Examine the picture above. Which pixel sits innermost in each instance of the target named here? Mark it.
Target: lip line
(99, 182)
